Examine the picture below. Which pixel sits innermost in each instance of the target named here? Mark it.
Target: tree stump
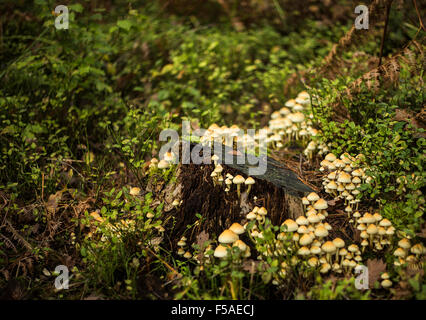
(279, 190)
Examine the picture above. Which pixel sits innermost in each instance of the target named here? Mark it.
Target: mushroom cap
(344, 177)
(332, 185)
(313, 218)
(313, 262)
(328, 247)
(386, 283)
(368, 218)
(343, 252)
(330, 157)
(417, 249)
(385, 223)
(372, 229)
(353, 248)
(262, 211)
(297, 117)
(400, 253)
(305, 201)
(302, 230)
(240, 244)
(291, 225)
(303, 251)
(220, 251)
(228, 181)
(325, 267)
(302, 221)
(339, 243)
(218, 168)
(305, 240)
(135, 191)
(384, 276)
(321, 231)
(215, 157)
(251, 216)
(313, 197)
(228, 236)
(315, 250)
(321, 204)
(163, 164)
(187, 255)
(237, 228)
(249, 181)
(404, 243)
(238, 179)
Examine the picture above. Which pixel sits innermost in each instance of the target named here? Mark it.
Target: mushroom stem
(248, 189)
(238, 190)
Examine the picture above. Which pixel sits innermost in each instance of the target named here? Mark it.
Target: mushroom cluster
(290, 123)
(230, 238)
(309, 234)
(164, 163)
(226, 181)
(343, 177)
(407, 253)
(306, 240)
(181, 251)
(229, 136)
(376, 231)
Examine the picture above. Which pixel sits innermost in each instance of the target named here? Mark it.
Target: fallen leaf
(375, 268)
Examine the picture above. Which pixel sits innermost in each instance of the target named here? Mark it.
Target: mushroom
(328, 247)
(228, 236)
(386, 283)
(238, 180)
(339, 243)
(237, 228)
(240, 245)
(290, 225)
(163, 164)
(135, 191)
(220, 251)
(249, 182)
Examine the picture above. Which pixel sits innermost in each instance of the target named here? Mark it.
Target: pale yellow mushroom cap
(404, 243)
(291, 225)
(339, 243)
(303, 251)
(135, 191)
(321, 231)
(385, 223)
(249, 181)
(163, 164)
(344, 178)
(315, 249)
(238, 179)
(237, 228)
(302, 221)
(328, 247)
(330, 157)
(228, 236)
(400, 253)
(220, 251)
(386, 283)
(240, 244)
(305, 240)
(262, 211)
(321, 204)
(313, 262)
(313, 197)
(372, 229)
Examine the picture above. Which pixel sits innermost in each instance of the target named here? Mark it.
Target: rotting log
(279, 190)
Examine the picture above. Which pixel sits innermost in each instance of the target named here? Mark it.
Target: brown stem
(388, 6)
